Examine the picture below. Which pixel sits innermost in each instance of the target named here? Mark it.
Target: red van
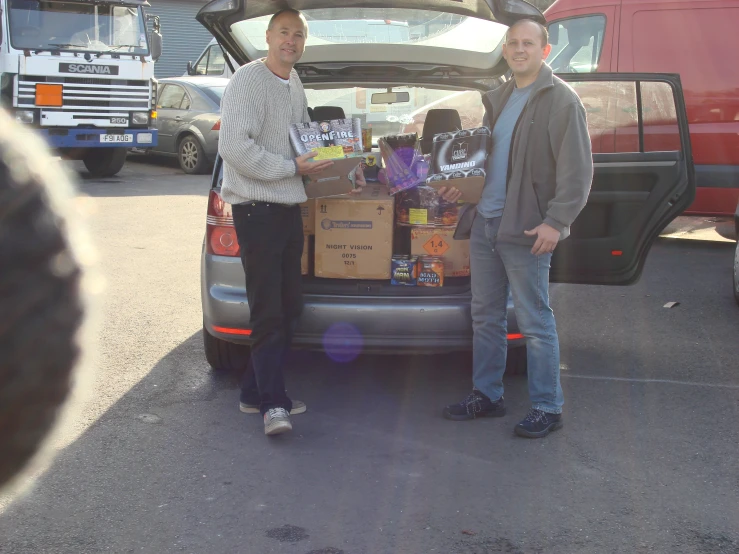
(694, 38)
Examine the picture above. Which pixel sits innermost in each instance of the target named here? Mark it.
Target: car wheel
(225, 356)
(191, 156)
(516, 363)
(736, 273)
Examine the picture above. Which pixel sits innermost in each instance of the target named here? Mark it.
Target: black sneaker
(475, 405)
(538, 424)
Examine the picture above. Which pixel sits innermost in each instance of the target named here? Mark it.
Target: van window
(576, 44)
(211, 62)
(216, 62)
(613, 116)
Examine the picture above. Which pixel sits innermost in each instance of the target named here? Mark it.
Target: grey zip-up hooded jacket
(550, 167)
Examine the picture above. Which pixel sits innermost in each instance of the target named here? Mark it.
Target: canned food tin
(404, 270)
(430, 271)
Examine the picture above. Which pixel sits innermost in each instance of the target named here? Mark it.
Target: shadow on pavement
(372, 467)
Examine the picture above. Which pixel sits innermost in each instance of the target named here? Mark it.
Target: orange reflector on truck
(229, 331)
(617, 253)
(514, 336)
(48, 95)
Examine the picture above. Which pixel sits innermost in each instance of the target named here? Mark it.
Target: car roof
(197, 81)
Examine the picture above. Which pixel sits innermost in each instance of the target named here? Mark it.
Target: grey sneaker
(277, 421)
(298, 408)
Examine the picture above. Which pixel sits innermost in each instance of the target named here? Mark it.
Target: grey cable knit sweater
(256, 112)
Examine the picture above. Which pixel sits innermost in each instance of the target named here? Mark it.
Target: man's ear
(547, 51)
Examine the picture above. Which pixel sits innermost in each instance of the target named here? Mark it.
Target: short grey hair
(290, 11)
(544, 31)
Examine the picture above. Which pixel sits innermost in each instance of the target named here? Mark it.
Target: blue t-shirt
(493, 195)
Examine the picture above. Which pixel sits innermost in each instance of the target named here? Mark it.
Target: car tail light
(217, 126)
(220, 232)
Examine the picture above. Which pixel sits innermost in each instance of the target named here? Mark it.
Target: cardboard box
(339, 140)
(461, 150)
(439, 241)
(459, 160)
(305, 260)
(336, 180)
(354, 235)
(308, 213)
(469, 183)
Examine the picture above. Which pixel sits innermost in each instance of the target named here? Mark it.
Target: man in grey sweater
(262, 179)
(538, 180)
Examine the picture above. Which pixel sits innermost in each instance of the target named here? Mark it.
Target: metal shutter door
(184, 38)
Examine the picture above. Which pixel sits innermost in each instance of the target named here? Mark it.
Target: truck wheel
(104, 162)
(225, 356)
(192, 156)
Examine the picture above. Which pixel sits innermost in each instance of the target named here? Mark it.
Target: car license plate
(116, 138)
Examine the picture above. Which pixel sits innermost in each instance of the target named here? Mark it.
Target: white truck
(82, 73)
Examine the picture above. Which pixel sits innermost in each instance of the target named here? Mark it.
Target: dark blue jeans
(499, 269)
(271, 240)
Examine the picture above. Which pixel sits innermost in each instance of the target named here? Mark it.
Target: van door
(643, 177)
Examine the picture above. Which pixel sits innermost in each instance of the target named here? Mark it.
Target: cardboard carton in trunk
(439, 241)
(308, 213)
(305, 260)
(354, 236)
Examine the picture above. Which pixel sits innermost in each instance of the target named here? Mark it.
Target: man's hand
(547, 240)
(307, 167)
(359, 181)
(451, 195)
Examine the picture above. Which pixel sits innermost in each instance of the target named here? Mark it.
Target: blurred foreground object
(41, 301)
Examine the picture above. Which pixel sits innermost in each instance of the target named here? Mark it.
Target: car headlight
(24, 116)
(140, 118)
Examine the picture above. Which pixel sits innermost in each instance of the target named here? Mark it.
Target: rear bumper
(90, 138)
(354, 323)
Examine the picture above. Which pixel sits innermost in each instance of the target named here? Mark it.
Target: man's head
(286, 35)
(526, 47)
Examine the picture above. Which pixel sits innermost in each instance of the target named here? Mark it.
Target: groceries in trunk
(399, 228)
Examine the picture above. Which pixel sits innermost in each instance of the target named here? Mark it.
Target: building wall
(184, 37)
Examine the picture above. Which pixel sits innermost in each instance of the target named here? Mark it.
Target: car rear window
(403, 117)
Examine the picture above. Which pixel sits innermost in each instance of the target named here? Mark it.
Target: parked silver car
(453, 46)
(189, 120)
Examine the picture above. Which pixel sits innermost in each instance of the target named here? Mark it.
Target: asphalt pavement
(156, 457)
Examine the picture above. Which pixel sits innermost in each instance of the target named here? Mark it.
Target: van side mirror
(155, 43)
(189, 68)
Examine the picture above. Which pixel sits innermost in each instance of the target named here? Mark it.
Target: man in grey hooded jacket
(539, 174)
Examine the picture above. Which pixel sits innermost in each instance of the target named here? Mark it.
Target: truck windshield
(76, 26)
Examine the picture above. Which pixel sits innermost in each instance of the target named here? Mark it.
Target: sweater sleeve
(570, 142)
(242, 118)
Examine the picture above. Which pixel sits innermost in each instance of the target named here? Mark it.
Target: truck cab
(82, 75)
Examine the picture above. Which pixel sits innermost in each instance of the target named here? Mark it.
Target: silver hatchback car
(451, 56)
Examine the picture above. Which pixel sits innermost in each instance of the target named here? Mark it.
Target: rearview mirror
(390, 97)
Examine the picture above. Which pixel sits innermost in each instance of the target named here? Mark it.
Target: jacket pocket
(542, 213)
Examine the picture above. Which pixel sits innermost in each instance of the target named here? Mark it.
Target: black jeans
(271, 240)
